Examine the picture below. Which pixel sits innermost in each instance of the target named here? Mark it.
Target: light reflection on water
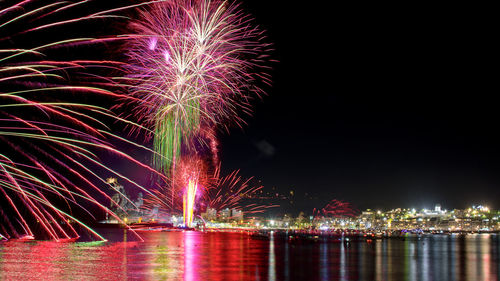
(239, 256)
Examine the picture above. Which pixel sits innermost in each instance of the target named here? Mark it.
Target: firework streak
(188, 202)
(49, 134)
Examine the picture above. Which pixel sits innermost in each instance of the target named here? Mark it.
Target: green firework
(175, 124)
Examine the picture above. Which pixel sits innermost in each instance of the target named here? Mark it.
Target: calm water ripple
(239, 256)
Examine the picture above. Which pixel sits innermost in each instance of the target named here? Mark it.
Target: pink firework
(192, 64)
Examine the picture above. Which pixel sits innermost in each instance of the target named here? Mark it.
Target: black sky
(379, 106)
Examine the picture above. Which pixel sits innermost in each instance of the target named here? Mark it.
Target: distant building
(210, 214)
(437, 208)
(225, 214)
(236, 214)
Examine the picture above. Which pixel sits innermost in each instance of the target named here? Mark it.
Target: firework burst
(193, 65)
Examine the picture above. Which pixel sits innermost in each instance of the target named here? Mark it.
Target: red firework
(337, 209)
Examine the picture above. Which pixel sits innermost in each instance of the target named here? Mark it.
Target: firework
(192, 65)
(49, 134)
(337, 209)
(170, 194)
(234, 192)
(189, 180)
(203, 189)
(188, 201)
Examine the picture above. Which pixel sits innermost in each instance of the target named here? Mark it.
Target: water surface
(240, 256)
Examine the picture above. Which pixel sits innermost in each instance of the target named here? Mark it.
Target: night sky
(379, 106)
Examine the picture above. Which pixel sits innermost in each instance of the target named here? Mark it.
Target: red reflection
(224, 256)
(46, 260)
(190, 255)
(185, 255)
